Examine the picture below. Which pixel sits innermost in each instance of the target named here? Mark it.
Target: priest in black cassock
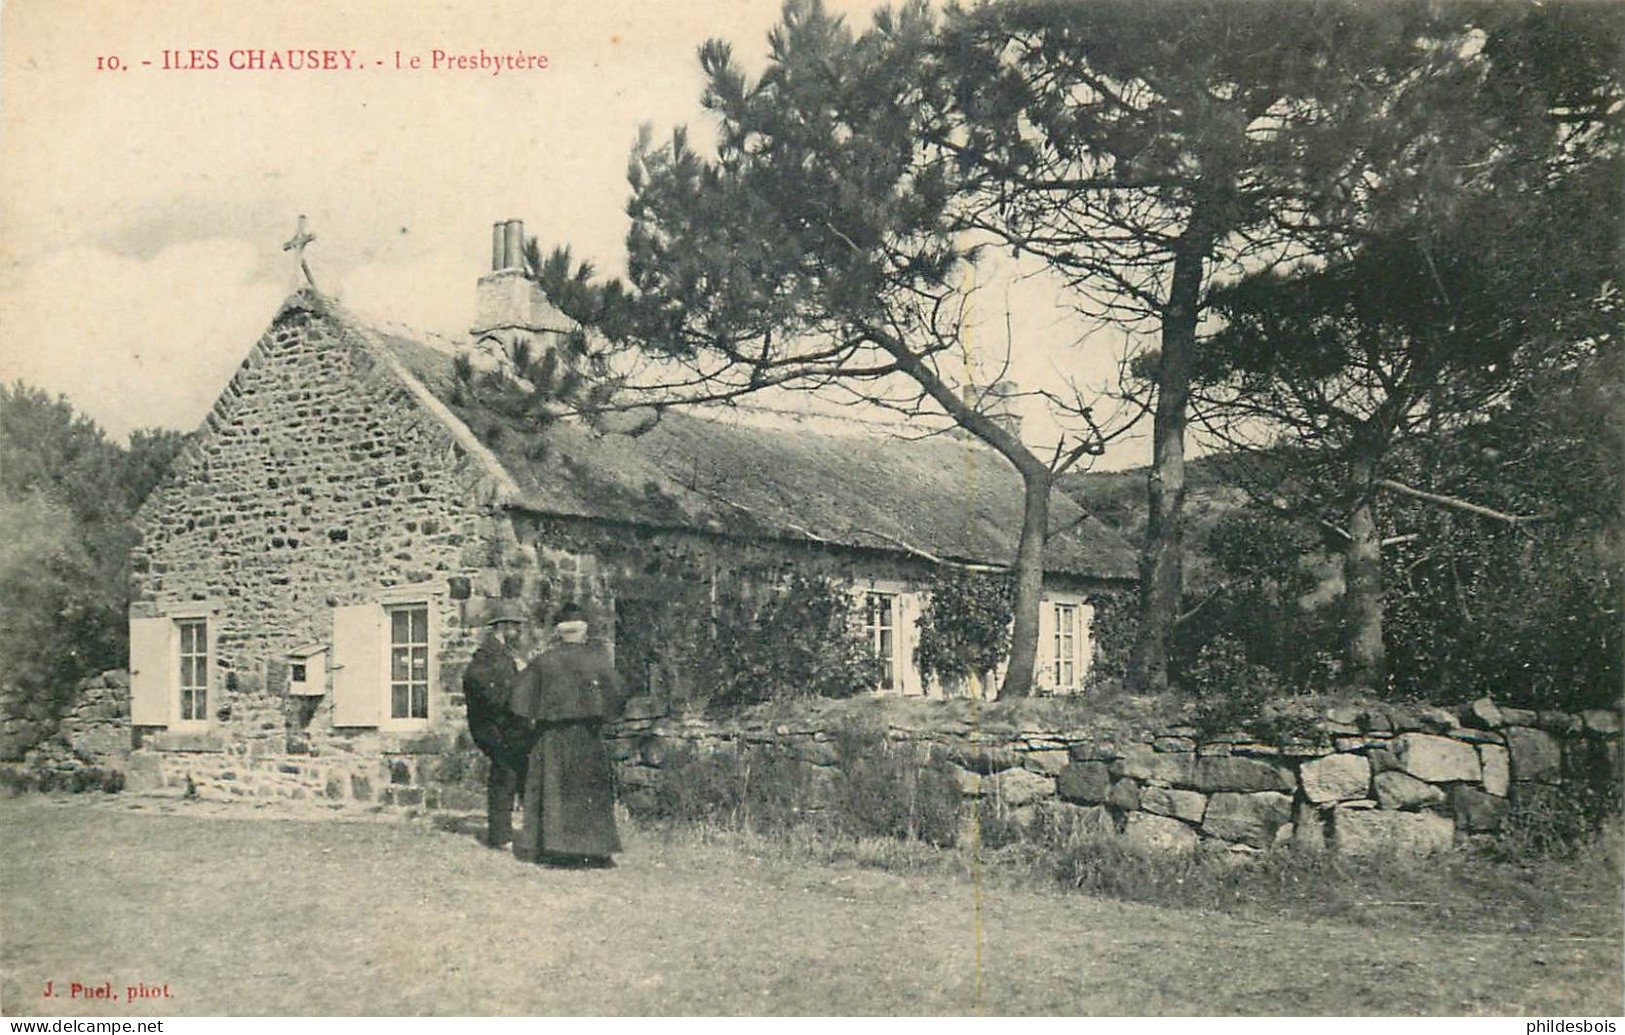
(571, 691)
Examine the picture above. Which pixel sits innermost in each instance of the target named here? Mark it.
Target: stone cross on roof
(296, 244)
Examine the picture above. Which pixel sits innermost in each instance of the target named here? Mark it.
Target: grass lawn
(242, 912)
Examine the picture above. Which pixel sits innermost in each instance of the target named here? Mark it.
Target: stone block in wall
(1341, 777)
(144, 771)
(1242, 774)
(1251, 819)
(1308, 829)
(1362, 742)
(1158, 833)
(1536, 754)
(1559, 722)
(1344, 715)
(1173, 744)
(1517, 717)
(1429, 719)
(1125, 794)
(1375, 720)
(1365, 832)
(1143, 762)
(1016, 787)
(1601, 720)
(1087, 783)
(1476, 811)
(1483, 714)
(1400, 790)
(1090, 820)
(1497, 766)
(1383, 760)
(971, 785)
(983, 759)
(1095, 751)
(1437, 759)
(210, 742)
(1166, 801)
(1049, 761)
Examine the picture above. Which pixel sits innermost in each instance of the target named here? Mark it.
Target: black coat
(489, 685)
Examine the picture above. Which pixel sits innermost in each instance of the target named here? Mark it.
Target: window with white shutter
(384, 663)
(172, 661)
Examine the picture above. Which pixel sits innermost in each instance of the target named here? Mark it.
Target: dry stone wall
(1357, 780)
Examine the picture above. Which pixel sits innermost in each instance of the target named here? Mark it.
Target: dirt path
(298, 916)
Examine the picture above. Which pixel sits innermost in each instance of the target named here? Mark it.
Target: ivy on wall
(964, 628)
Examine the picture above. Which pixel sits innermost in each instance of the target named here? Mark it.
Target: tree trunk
(1362, 579)
(1163, 557)
(1018, 677)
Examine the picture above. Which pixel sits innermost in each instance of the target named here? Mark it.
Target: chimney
(509, 305)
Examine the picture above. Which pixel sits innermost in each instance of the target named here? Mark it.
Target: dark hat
(570, 613)
(503, 611)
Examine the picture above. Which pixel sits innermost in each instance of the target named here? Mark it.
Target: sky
(143, 208)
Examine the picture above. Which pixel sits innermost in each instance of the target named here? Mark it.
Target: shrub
(1230, 690)
(964, 628)
(26, 778)
(1555, 821)
(694, 786)
(996, 825)
(877, 789)
(884, 789)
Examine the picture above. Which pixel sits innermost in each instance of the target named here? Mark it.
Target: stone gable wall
(316, 482)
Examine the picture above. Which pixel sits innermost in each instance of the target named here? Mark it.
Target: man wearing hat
(570, 690)
(489, 686)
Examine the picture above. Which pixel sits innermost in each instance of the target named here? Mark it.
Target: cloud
(136, 342)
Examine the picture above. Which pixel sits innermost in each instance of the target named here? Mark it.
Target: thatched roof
(945, 497)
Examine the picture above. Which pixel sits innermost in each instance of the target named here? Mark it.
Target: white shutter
(1044, 668)
(908, 636)
(1086, 641)
(151, 679)
(358, 664)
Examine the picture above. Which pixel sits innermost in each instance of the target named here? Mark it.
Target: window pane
(399, 664)
(398, 695)
(420, 625)
(399, 627)
(420, 664)
(420, 700)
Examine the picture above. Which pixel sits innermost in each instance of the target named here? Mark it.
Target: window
(1066, 646)
(409, 662)
(194, 670)
(172, 657)
(880, 628)
(298, 672)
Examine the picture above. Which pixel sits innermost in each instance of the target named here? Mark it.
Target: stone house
(311, 577)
